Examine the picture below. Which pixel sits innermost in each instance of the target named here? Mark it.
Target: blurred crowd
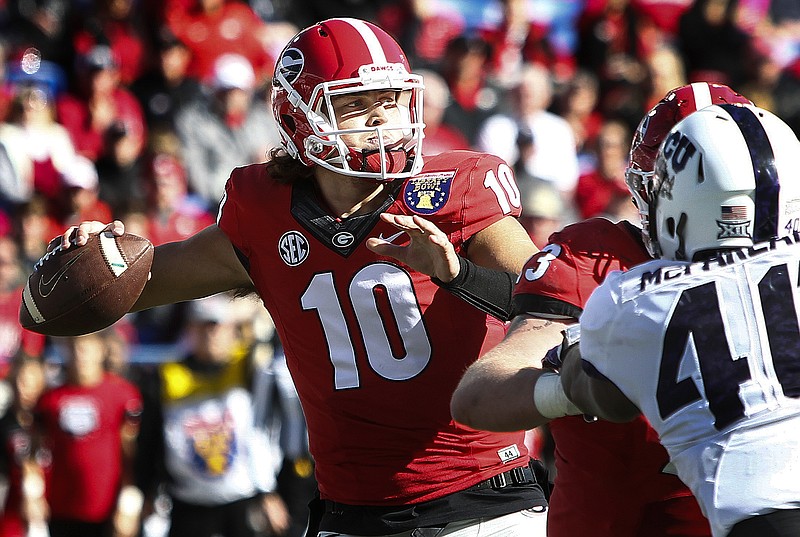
(139, 109)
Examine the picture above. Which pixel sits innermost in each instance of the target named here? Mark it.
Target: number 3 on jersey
(394, 286)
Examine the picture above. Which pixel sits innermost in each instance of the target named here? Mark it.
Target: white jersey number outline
(373, 283)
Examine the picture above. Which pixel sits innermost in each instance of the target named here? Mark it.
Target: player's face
(367, 109)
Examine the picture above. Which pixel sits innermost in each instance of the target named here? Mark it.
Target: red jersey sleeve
(558, 280)
(463, 192)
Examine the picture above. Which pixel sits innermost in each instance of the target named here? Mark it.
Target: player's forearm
(595, 396)
(176, 274)
(496, 393)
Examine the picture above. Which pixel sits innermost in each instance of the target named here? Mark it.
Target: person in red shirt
(372, 263)
(101, 112)
(172, 214)
(90, 424)
(211, 28)
(118, 23)
(612, 479)
(599, 190)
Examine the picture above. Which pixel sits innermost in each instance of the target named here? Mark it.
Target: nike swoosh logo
(390, 238)
(47, 287)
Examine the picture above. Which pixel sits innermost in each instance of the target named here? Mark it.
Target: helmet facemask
(398, 152)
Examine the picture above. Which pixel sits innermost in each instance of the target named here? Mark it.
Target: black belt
(522, 475)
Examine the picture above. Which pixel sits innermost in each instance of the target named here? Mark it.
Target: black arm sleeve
(487, 289)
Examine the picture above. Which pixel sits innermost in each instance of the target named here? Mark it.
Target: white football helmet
(726, 176)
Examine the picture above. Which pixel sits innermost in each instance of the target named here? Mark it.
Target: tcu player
(705, 340)
(610, 479)
(349, 240)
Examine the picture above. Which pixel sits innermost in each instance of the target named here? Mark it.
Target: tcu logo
(678, 149)
(293, 248)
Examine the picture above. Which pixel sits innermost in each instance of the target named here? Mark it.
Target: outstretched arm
(496, 392)
(594, 394)
(201, 265)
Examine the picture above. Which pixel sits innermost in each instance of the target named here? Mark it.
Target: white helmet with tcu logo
(338, 57)
(726, 176)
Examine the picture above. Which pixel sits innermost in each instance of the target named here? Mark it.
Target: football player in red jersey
(371, 265)
(612, 478)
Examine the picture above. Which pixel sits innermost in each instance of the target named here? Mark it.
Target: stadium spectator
(15, 341)
(199, 436)
(439, 136)
(577, 103)
(101, 112)
(233, 130)
(34, 227)
(81, 193)
(599, 190)
(90, 424)
(167, 88)
(554, 157)
(24, 508)
(713, 46)
(117, 24)
(518, 39)
(613, 45)
(172, 214)
(214, 28)
(39, 146)
(474, 97)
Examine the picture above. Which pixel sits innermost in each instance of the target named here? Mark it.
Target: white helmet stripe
(370, 39)
(702, 95)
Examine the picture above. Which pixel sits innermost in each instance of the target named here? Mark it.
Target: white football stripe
(30, 305)
(111, 253)
(702, 95)
(374, 46)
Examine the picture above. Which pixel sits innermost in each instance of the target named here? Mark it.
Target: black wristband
(487, 289)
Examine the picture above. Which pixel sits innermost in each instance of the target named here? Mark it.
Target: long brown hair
(286, 169)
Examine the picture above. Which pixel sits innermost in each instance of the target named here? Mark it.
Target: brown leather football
(85, 289)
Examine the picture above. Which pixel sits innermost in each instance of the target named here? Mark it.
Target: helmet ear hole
(288, 121)
(671, 226)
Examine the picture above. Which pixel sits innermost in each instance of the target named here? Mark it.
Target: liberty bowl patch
(427, 193)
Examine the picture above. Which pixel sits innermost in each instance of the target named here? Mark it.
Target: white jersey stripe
(702, 95)
(370, 39)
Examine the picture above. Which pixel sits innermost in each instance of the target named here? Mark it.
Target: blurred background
(139, 109)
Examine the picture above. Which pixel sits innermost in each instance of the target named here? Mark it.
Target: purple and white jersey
(710, 353)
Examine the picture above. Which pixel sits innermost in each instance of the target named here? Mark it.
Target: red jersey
(82, 427)
(375, 348)
(609, 475)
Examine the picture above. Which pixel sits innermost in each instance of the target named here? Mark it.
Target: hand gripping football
(86, 288)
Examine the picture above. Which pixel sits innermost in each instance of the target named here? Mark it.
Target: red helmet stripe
(370, 39)
(702, 95)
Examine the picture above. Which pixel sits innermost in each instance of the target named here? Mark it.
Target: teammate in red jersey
(371, 265)
(611, 478)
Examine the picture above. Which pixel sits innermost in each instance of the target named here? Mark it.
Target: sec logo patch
(293, 248)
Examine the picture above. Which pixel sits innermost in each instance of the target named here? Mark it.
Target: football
(85, 289)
